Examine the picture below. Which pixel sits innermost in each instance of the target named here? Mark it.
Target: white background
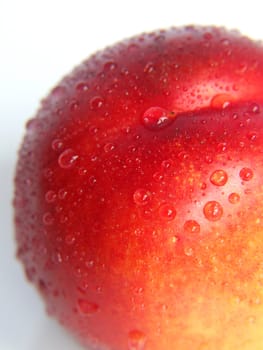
(40, 41)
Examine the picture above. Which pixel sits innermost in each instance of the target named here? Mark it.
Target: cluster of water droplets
(157, 118)
(212, 210)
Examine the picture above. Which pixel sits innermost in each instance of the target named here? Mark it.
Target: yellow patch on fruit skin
(216, 320)
(214, 296)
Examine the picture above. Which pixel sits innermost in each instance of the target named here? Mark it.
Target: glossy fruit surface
(138, 201)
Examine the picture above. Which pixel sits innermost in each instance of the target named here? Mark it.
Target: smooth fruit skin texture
(138, 202)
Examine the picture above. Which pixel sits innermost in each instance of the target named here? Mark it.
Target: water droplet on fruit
(203, 185)
(220, 101)
(208, 159)
(74, 106)
(136, 340)
(67, 158)
(92, 180)
(254, 108)
(110, 66)
(141, 196)
(225, 42)
(47, 172)
(28, 182)
(219, 178)
(50, 197)
(191, 226)
(246, 174)
(62, 193)
(58, 258)
(221, 147)
(158, 176)
(167, 163)
(157, 118)
(93, 130)
(48, 219)
(96, 102)
(82, 171)
(149, 68)
(234, 198)
(87, 308)
(167, 212)
(174, 239)
(188, 251)
(213, 211)
(252, 135)
(109, 147)
(82, 87)
(70, 239)
(90, 264)
(57, 145)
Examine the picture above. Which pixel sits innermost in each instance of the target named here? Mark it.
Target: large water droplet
(141, 196)
(191, 226)
(167, 212)
(219, 178)
(213, 211)
(246, 174)
(136, 340)
(157, 118)
(220, 101)
(86, 307)
(67, 158)
(234, 198)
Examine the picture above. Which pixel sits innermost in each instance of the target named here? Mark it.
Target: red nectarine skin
(138, 202)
